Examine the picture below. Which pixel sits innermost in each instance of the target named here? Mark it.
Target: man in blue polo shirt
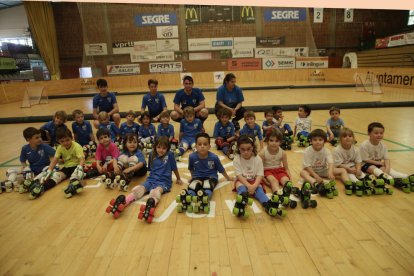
(105, 101)
(189, 96)
(154, 100)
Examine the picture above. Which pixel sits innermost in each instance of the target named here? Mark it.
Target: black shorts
(367, 165)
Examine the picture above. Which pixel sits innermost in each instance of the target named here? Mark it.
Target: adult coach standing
(105, 101)
(230, 96)
(189, 96)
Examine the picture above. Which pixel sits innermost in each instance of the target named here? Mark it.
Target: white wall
(13, 22)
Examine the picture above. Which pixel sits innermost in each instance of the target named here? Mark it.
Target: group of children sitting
(260, 159)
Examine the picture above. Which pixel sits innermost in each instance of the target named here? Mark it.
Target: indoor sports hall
(358, 60)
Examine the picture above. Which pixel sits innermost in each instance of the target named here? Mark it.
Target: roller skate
(403, 184)
(283, 200)
(287, 140)
(273, 209)
(116, 206)
(174, 149)
(303, 141)
(74, 187)
(327, 189)
(201, 202)
(334, 142)
(287, 191)
(231, 150)
(123, 180)
(242, 200)
(109, 180)
(36, 189)
(305, 195)
(193, 147)
(350, 187)
(90, 172)
(147, 211)
(184, 200)
(118, 143)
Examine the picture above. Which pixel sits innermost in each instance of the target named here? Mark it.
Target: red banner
(244, 64)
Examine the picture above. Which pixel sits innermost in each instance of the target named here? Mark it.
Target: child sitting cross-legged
(189, 127)
(224, 133)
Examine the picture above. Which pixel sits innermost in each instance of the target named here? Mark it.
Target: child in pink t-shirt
(106, 153)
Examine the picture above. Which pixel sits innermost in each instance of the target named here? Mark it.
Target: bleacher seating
(390, 57)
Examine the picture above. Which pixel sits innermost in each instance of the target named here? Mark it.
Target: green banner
(7, 63)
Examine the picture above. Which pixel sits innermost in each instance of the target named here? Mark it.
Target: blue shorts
(188, 140)
(152, 185)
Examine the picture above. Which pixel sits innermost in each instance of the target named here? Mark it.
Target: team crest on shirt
(157, 100)
(109, 99)
(210, 164)
(41, 152)
(184, 102)
(195, 126)
(84, 127)
(194, 101)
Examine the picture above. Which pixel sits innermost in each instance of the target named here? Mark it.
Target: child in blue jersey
(147, 131)
(82, 130)
(104, 122)
(165, 128)
(50, 127)
(129, 126)
(251, 128)
(189, 127)
(269, 122)
(334, 125)
(154, 101)
(37, 154)
(161, 164)
(204, 166)
(224, 133)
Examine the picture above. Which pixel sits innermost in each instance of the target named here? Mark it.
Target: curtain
(42, 26)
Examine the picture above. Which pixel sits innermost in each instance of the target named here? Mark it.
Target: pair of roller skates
(404, 184)
(327, 189)
(118, 143)
(359, 188)
(287, 140)
(379, 185)
(146, 212)
(283, 196)
(116, 206)
(242, 201)
(109, 178)
(147, 144)
(334, 142)
(305, 194)
(174, 149)
(200, 203)
(74, 187)
(303, 141)
(89, 150)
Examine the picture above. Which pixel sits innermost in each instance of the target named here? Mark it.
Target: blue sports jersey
(190, 130)
(223, 131)
(51, 128)
(38, 158)
(112, 129)
(104, 103)
(83, 132)
(230, 98)
(161, 169)
(194, 99)
(253, 132)
(335, 126)
(155, 103)
(165, 131)
(205, 168)
(145, 132)
(124, 129)
(138, 154)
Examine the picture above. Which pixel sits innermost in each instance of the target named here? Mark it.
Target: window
(410, 18)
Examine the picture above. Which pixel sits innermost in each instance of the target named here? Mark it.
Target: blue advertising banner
(155, 19)
(280, 14)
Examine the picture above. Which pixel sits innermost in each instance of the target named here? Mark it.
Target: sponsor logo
(155, 19)
(191, 15)
(285, 14)
(247, 12)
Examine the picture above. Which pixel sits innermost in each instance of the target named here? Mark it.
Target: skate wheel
(348, 192)
(68, 195)
(305, 204)
(188, 199)
(206, 210)
(250, 201)
(391, 181)
(116, 214)
(142, 208)
(239, 198)
(359, 193)
(282, 213)
(335, 192)
(205, 199)
(149, 219)
(368, 192)
(112, 202)
(108, 209)
(140, 215)
(380, 182)
(406, 190)
(190, 208)
(272, 212)
(152, 211)
(390, 191)
(313, 203)
(196, 209)
(293, 204)
(178, 199)
(330, 195)
(236, 211)
(121, 207)
(179, 208)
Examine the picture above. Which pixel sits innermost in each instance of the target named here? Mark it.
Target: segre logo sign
(285, 15)
(155, 19)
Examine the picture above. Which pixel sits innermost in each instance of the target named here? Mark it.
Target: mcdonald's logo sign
(247, 14)
(191, 15)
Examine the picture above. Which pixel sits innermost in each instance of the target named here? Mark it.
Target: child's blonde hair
(189, 110)
(103, 115)
(249, 114)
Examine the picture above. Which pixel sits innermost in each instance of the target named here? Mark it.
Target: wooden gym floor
(346, 235)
